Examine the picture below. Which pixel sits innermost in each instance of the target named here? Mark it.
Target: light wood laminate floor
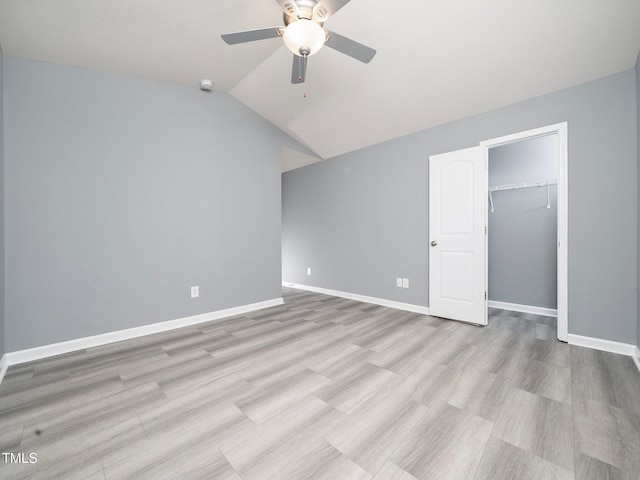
(328, 388)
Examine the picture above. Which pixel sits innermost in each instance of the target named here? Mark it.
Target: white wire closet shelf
(518, 186)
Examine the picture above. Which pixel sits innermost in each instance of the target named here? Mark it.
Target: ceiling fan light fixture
(304, 36)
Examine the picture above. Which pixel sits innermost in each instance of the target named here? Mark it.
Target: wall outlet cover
(399, 282)
(405, 283)
(195, 292)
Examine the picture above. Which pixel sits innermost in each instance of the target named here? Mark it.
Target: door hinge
(485, 230)
(485, 295)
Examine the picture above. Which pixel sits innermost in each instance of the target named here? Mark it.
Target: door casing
(561, 129)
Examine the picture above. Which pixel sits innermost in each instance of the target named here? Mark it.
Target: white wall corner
(361, 298)
(37, 353)
(636, 357)
(4, 364)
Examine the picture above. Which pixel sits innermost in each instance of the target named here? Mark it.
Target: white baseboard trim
(3, 366)
(604, 345)
(514, 307)
(361, 298)
(37, 353)
(636, 357)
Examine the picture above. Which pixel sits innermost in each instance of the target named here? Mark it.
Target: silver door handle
(434, 243)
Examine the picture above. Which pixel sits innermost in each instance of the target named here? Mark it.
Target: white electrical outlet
(195, 292)
(405, 283)
(399, 282)
(309, 271)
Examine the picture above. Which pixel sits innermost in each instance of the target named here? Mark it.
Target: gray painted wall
(2, 343)
(360, 219)
(122, 193)
(638, 150)
(522, 230)
(358, 222)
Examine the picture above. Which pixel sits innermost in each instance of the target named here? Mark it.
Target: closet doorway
(527, 219)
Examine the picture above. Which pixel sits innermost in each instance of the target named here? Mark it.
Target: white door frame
(563, 207)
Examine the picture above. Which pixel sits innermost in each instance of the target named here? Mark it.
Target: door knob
(434, 243)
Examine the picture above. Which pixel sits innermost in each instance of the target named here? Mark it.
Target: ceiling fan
(304, 34)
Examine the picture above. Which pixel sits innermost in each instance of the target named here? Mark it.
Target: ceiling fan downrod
(304, 53)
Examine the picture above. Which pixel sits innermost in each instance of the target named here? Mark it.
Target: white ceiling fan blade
(299, 70)
(325, 8)
(350, 47)
(322, 9)
(252, 35)
(289, 7)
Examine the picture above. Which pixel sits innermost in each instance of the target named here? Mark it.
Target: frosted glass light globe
(304, 33)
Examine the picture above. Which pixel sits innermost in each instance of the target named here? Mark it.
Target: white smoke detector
(206, 85)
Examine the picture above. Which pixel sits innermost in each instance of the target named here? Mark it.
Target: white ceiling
(437, 61)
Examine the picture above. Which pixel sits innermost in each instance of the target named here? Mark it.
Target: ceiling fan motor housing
(307, 9)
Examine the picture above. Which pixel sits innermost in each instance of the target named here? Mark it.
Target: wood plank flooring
(327, 388)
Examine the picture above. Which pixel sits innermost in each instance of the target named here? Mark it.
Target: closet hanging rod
(517, 186)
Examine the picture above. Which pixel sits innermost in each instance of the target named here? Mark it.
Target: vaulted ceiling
(436, 61)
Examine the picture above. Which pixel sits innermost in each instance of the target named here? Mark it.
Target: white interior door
(457, 231)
